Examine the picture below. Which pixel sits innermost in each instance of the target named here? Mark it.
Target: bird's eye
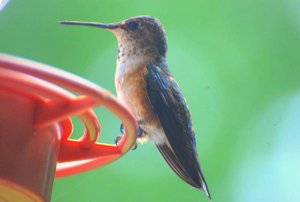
(132, 25)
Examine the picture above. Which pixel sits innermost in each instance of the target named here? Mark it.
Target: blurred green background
(238, 65)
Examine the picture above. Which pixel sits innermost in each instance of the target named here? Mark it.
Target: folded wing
(173, 113)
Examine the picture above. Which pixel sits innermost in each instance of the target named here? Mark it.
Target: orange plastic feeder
(36, 102)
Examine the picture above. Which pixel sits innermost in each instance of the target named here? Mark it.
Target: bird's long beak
(93, 24)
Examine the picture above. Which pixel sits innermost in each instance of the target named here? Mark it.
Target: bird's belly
(131, 91)
(133, 94)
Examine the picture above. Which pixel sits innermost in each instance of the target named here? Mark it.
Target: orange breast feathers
(131, 89)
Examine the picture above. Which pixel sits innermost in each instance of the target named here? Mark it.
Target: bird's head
(141, 36)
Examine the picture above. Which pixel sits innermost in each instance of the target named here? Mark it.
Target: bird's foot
(122, 129)
(140, 134)
(118, 139)
(134, 146)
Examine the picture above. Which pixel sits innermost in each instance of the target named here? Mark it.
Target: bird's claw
(134, 146)
(140, 132)
(122, 130)
(118, 139)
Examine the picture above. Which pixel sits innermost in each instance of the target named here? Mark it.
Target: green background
(237, 63)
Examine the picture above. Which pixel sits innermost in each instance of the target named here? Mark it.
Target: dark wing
(173, 113)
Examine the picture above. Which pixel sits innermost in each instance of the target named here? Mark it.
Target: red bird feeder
(36, 102)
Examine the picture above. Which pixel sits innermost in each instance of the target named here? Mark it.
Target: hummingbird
(145, 85)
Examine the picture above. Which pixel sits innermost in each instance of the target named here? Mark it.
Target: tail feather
(185, 174)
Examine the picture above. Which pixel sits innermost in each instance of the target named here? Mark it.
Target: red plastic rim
(56, 89)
